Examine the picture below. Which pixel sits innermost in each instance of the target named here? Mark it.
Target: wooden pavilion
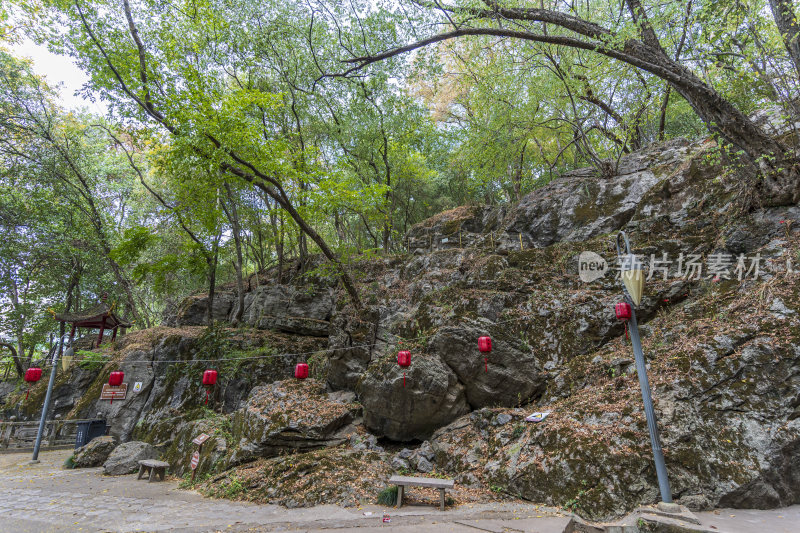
(100, 316)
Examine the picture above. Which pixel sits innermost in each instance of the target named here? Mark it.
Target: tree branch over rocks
(778, 165)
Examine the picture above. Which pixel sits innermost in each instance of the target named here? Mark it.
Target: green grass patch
(388, 496)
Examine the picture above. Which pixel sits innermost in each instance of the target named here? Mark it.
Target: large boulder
(455, 228)
(95, 452)
(193, 311)
(429, 397)
(289, 416)
(583, 204)
(125, 458)
(510, 375)
(291, 309)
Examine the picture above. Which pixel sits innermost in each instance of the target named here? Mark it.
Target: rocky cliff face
(724, 353)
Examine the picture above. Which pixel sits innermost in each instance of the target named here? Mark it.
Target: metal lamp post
(46, 407)
(633, 282)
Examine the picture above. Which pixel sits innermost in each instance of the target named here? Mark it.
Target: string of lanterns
(301, 370)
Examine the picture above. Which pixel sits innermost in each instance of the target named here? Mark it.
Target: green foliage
(134, 242)
(187, 482)
(92, 361)
(69, 464)
(214, 343)
(574, 504)
(231, 488)
(388, 496)
(244, 119)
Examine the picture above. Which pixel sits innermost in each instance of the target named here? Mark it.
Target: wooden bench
(405, 481)
(153, 467)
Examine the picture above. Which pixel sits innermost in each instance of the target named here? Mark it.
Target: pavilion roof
(92, 317)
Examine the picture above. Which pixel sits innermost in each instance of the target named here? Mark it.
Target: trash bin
(88, 430)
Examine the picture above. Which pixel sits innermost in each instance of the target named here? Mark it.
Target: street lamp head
(630, 270)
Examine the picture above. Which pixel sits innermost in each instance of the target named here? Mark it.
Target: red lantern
(485, 346)
(301, 371)
(623, 311)
(209, 380)
(404, 358)
(210, 377)
(404, 361)
(115, 380)
(32, 375)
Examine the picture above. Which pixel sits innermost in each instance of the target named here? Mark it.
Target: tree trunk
(789, 27)
(233, 216)
(323, 246)
(17, 363)
(73, 283)
(211, 261)
(780, 184)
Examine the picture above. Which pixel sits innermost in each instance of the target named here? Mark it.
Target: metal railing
(20, 436)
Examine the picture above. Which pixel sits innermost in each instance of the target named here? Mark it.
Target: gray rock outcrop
(95, 452)
(510, 375)
(125, 458)
(289, 416)
(432, 396)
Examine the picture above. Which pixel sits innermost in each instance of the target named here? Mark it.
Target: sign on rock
(200, 439)
(112, 392)
(195, 460)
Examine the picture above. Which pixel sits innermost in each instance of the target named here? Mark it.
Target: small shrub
(91, 361)
(69, 464)
(232, 488)
(388, 496)
(188, 483)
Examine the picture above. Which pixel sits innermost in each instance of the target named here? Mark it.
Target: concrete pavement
(44, 498)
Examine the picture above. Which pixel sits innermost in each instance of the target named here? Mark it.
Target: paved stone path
(43, 498)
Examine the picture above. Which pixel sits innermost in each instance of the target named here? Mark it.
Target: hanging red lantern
(404, 361)
(623, 311)
(32, 375)
(115, 380)
(301, 371)
(209, 380)
(485, 346)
